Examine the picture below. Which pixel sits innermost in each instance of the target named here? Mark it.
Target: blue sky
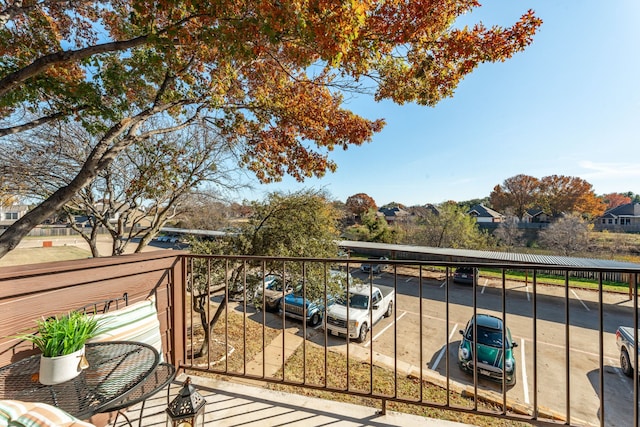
(568, 105)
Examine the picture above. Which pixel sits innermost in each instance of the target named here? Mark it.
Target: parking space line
(383, 331)
(443, 283)
(559, 346)
(528, 294)
(484, 286)
(408, 280)
(525, 384)
(581, 302)
(444, 349)
(540, 342)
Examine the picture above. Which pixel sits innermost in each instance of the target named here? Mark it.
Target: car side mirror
(514, 344)
(376, 306)
(461, 332)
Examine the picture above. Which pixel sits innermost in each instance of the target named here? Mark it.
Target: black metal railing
(561, 338)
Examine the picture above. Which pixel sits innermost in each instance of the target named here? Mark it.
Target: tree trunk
(208, 326)
(99, 159)
(18, 230)
(199, 307)
(144, 241)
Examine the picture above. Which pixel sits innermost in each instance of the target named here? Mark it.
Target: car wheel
(273, 307)
(278, 306)
(625, 363)
(315, 319)
(389, 311)
(364, 330)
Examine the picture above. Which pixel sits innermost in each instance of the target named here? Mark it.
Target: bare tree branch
(37, 122)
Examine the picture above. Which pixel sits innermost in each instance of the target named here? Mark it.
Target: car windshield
(270, 282)
(487, 336)
(275, 285)
(355, 301)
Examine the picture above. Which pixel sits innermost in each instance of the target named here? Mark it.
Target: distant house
(423, 211)
(433, 209)
(82, 221)
(484, 214)
(622, 218)
(12, 213)
(536, 215)
(394, 214)
(135, 218)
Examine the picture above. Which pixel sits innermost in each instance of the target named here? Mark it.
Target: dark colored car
(373, 268)
(465, 275)
(490, 330)
(299, 306)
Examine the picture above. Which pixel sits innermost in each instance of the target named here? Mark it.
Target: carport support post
(632, 284)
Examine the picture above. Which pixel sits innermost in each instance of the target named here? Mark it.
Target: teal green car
(491, 331)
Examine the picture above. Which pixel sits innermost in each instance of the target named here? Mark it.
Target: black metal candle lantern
(187, 409)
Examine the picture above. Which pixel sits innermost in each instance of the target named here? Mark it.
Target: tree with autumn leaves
(568, 194)
(554, 194)
(268, 77)
(613, 200)
(516, 194)
(360, 203)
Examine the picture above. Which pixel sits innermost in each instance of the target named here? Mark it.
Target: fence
(547, 365)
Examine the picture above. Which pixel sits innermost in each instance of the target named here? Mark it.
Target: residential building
(536, 215)
(484, 214)
(621, 218)
(12, 213)
(394, 214)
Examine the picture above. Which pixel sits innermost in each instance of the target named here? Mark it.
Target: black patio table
(115, 369)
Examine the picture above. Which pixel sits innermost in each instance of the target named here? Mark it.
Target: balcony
(566, 356)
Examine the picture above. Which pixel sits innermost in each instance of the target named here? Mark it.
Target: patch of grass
(22, 256)
(574, 282)
(384, 384)
(244, 340)
(435, 272)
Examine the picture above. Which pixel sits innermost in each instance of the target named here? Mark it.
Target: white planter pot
(56, 370)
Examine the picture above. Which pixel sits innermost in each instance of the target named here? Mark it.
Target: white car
(367, 305)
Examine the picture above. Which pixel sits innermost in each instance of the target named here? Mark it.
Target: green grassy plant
(59, 336)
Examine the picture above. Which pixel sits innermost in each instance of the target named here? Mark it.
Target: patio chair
(15, 413)
(135, 322)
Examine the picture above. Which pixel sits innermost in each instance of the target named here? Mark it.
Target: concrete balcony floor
(232, 404)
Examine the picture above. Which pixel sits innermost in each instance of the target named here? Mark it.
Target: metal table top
(115, 368)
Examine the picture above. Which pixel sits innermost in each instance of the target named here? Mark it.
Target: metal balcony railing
(554, 359)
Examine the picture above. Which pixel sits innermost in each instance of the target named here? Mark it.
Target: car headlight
(353, 324)
(464, 353)
(508, 364)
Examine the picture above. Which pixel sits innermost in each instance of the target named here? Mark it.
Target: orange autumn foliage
(272, 74)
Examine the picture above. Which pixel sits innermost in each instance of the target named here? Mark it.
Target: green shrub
(58, 336)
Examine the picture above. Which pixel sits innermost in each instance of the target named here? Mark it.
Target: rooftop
(487, 257)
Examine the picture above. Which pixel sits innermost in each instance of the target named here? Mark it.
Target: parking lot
(422, 330)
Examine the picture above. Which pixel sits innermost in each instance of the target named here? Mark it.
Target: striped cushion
(14, 413)
(137, 322)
